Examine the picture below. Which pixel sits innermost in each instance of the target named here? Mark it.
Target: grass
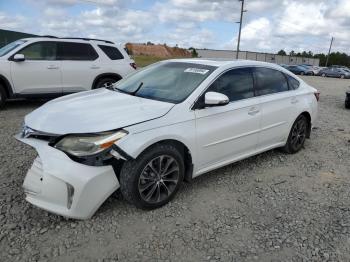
(145, 60)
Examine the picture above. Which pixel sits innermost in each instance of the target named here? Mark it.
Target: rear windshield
(11, 46)
(167, 81)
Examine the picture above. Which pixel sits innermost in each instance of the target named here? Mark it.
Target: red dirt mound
(157, 50)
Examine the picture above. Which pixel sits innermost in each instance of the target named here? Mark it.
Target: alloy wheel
(158, 179)
(107, 84)
(299, 133)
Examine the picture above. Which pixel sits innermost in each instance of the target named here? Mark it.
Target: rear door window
(293, 83)
(269, 81)
(112, 52)
(76, 51)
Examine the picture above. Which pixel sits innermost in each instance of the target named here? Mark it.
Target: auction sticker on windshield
(196, 71)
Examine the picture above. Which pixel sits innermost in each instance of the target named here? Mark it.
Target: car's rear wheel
(297, 135)
(153, 178)
(105, 82)
(2, 96)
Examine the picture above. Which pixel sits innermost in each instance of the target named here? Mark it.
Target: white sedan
(172, 121)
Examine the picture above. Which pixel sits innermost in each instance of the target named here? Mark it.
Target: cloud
(267, 25)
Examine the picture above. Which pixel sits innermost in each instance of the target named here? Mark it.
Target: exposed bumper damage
(60, 185)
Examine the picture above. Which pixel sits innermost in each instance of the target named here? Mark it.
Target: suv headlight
(87, 145)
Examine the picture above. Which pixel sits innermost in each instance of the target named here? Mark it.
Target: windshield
(170, 81)
(7, 48)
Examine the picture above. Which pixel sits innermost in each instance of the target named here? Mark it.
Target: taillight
(317, 95)
(133, 65)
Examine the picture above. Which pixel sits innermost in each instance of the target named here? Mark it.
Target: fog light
(70, 193)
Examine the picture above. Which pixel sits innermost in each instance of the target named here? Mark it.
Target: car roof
(224, 62)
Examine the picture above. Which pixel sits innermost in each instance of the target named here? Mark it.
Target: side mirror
(215, 99)
(19, 58)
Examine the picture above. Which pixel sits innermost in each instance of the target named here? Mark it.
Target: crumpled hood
(94, 111)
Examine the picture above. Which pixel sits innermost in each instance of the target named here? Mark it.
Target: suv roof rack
(88, 39)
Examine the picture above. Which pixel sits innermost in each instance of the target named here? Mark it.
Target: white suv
(169, 122)
(50, 66)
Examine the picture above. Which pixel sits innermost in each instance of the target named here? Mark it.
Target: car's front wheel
(323, 75)
(302, 73)
(153, 178)
(342, 76)
(297, 135)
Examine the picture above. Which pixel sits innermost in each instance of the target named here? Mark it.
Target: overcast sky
(268, 25)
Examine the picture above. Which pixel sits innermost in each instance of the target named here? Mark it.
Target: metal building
(265, 57)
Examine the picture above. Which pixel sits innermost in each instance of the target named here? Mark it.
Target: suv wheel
(2, 96)
(105, 82)
(152, 179)
(297, 135)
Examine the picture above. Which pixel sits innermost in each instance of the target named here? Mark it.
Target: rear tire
(3, 96)
(105, 82)
(153, 178)
(297, 135)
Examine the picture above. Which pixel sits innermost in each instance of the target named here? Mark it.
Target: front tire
(302, 73)
(342, 76)
(2, 97)
(297, 135)
(153, 178)
(105, 82)
(323, 75)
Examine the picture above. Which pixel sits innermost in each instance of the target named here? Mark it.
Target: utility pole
(329, 51)
(240, 27)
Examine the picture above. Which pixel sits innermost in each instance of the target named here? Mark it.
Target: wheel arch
(183, 149)
(7, 85)
(308, 117)
(104, 75)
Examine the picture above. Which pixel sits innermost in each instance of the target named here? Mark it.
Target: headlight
(90, 144)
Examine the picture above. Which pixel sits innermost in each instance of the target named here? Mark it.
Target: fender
(8, 87)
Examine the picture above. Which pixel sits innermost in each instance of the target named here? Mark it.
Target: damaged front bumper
(62, 186)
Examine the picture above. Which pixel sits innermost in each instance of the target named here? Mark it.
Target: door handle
(52, 67)
(253, 111)
(294, 100)
(94, 67)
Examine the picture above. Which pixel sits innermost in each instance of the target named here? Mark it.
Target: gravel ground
(271, 207)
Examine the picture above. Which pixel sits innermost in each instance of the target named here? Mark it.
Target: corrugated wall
(265, 57)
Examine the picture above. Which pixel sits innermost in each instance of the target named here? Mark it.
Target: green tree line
(335, 58)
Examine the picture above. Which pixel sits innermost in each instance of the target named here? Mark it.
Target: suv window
(40, 51)
(270, 81)
(76, 51)
(237, 84)
(293, 83)
(112, 52)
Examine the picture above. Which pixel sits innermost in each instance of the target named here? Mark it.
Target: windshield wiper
(114, 88)
(137, 89)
